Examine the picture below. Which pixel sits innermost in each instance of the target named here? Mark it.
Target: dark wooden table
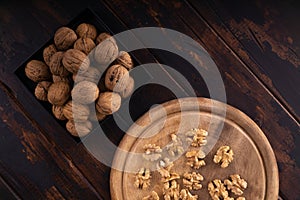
(256, 46)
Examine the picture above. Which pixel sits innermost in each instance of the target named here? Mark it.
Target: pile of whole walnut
(69, 75)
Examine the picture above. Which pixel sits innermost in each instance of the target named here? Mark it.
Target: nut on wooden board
(85, 92)
(59, 93)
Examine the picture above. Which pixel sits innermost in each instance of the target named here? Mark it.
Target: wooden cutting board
(254, 159)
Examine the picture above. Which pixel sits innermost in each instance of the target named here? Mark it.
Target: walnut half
(152, 152)
(171, 190)
(186, 195)
(224, 156)
(197, 137)
(142, 179)
(217, 190)
(236, 184)
(152, 196)
(195, 159)
(192, 181)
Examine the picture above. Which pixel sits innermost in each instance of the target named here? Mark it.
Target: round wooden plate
(254, 159)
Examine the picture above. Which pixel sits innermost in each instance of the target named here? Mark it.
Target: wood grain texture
(26, 26)
(254, 159)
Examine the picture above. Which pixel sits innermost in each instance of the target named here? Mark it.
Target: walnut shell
(128, 89)
(48, 52)
(56, 78)
(116, 78)
(41, 90)
(87, 30)
(76, 112)
(56, 66)
(64, 38)
(125, 59)
(86, 45)
(96, 116)
(37, 71)
(79, 129)
(58, 112)
(85, 92)
(103, 36)
(106, 52)
(75, 61)
(59, 93)
(108, 103)
(92, 75)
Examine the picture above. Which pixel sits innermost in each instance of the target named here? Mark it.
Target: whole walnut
(75, 61)
(92, 75)
(125, 60)
(103, 36)
(79, 129)
(128, 89)
(64, 38)
(58, 93)
(41, 90)
(108, 103)
(56, 66)
(86, 30)
(96, 116)
(116, 78)
(106, 52)
(76, 112)
(37, 71)
(58, 112)
(56, 78)
(48, 53)
(86, 45)
(85, 92)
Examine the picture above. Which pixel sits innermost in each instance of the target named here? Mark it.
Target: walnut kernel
(197, 137)
(192, 181)
(175, 148)
(152, 152)
(224, 156)
(186, 195)
(195, 159)
(217, 190)
(152, 196)
(142, 178)
(236, 184)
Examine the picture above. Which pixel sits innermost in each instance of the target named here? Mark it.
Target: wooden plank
(243, 89)
(265, 36)
(29, 159)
